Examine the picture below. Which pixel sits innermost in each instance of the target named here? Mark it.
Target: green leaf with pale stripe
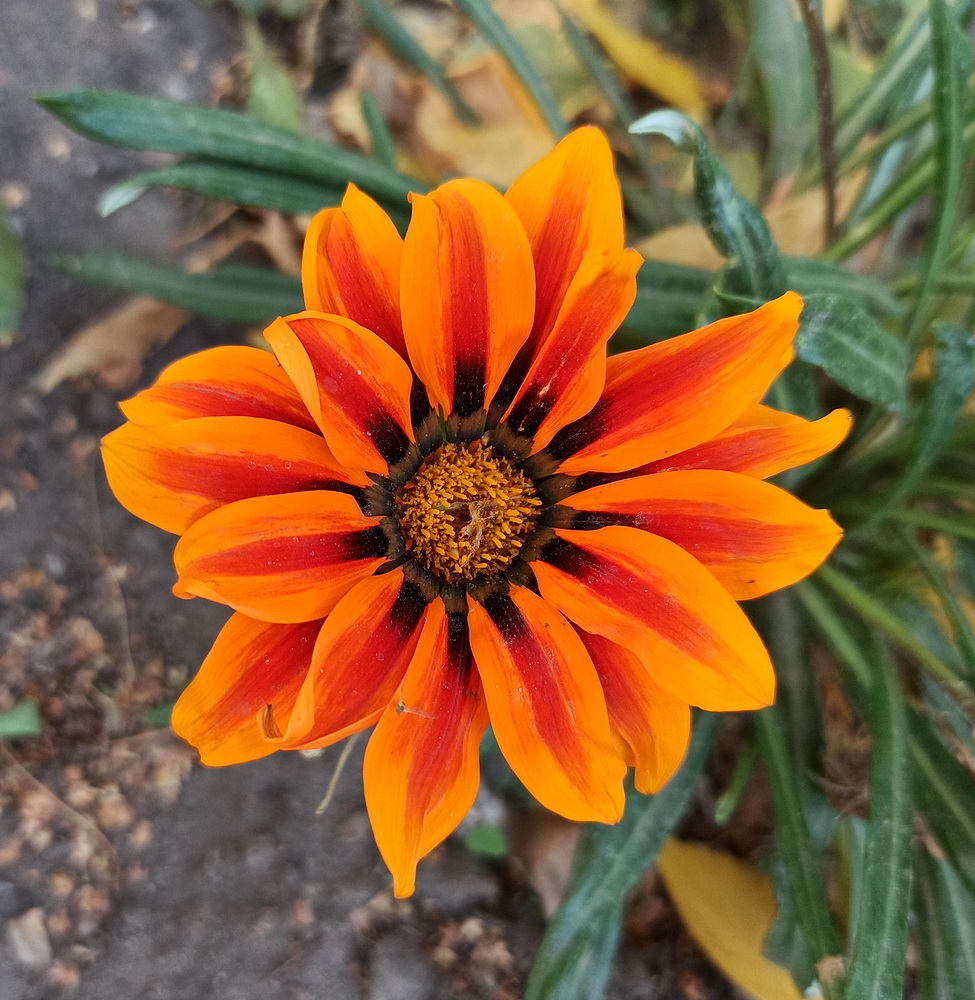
(13, 276)
(944, 914)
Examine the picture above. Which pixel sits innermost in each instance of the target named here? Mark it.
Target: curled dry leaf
(114, 346)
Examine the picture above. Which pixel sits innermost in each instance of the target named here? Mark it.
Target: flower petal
(286, 558)
(546, 706)
(753, 536)
(354, 384)
(252, 664)
(655, 724)
(649, 595)
(467, 293)
(568, 373)
(228, 381)
(359, 660)
(421, 768)
(350, 266)
(671, 396)
(569, 202)
(762, 442)
(173, 474)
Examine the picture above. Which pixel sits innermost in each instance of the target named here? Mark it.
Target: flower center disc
(467, 512)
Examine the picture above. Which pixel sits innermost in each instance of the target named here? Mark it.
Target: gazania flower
(437, 505)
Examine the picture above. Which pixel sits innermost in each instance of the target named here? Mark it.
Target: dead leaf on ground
(545, 844)
(114, 346)
(727, 906)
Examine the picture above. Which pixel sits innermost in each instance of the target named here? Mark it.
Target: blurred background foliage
(821, 145)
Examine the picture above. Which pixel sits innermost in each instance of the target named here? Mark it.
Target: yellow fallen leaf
(643, 60)
(727, 906)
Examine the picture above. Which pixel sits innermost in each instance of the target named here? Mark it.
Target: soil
(126, 869)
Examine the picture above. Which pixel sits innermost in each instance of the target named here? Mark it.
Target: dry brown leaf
(545, 844)
(114, 345)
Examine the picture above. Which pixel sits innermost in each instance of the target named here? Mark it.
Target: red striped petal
(171, 475)
(569, 203)
(286, 558)
(672, 396)
(222, 382)
(649, 595)
(568, 373)
(762, 442)
(467, 293)
(421, 768)
(359, 661)
(350, 266)
(354, 384)
(251, 665)
(546, 706)
(653, 723)
(753, 536)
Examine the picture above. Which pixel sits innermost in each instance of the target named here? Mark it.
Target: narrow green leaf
(575, 957)
(272, 96)
(227, 182)
(381, 139)
(496, 32)
(876, 970)
(960, 526)
(945, 794)
(406, 48)
(668, 299)
(809, 275)
(734, 225)
(951, 59)
(236, 294)
(859, 354)
(13, 276)
(804, 868)
(149, 123)
(945, 921)
(951, 385)
(21, 721)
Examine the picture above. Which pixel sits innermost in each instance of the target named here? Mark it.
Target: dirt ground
(126, 869)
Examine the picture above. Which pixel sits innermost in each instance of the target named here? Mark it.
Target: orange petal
(649, 595)
(568, 373)
(753, 536)
(359, 660)
(286, 558)
(671, 396)
(351, 266)
(546, 706)
(252, 664)
(421, 768)
(569, 202)
(354, 384)
(655, 724)
(467, 293)
(222, 382)
(762, 442)
(172, 475)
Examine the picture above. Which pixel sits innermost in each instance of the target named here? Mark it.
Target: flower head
(437, 505)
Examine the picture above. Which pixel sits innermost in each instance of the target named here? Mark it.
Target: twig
(339, 768)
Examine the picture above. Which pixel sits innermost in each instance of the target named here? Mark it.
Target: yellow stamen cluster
(467, 512)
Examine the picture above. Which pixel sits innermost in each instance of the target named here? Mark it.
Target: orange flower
(438, 505)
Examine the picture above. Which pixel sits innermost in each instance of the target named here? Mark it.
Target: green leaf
(159, 717)
(149, 123)
(574, 960)
(951, 59)
(496, 33)
(406, 48)
(236, 294)
(228, 182)
(951, 385)
(13, 276)
(945, 794)
(734, 225)
(381, 140)
(792, 835)
(486, 841)
(809, 276)
(272, 97)
(945, 922)
(876, 970)
(667, 302)
(21, 721)
(840, 337)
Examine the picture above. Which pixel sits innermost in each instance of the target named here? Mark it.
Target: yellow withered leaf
(727, 906)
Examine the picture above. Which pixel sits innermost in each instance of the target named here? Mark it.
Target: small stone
(28, 939)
